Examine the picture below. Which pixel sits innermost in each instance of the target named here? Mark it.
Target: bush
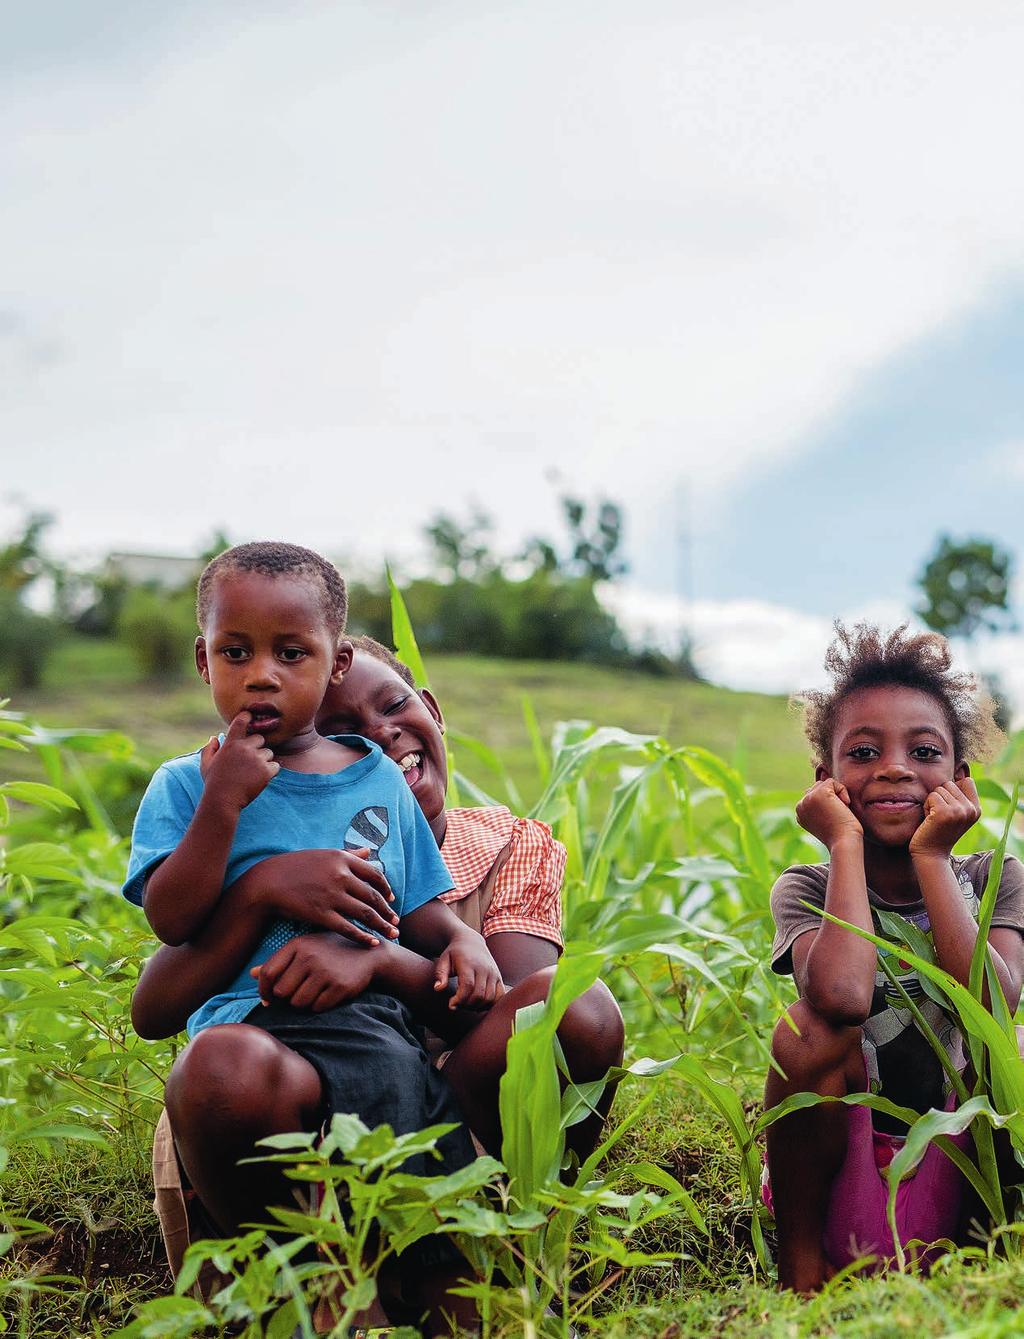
(26, 641)
(545, 616)
(159, 630)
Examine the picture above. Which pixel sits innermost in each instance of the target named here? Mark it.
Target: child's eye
(926, 752)
(236, 654)
(290, 654)
(397, 705)
(863, 752)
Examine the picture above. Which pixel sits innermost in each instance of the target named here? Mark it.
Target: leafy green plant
(670, 859)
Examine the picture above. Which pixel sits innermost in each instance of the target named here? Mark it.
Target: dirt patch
(108, 1252)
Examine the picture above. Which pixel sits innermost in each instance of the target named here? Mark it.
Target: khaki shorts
(180, 1212)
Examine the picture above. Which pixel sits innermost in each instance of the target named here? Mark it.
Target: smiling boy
(271, 618)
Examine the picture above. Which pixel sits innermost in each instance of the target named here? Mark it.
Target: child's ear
(342, 661)
(961, 772)
(821, 772)
(430, 702)
(202, 664)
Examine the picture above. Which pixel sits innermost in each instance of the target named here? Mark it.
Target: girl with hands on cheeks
(892, 797)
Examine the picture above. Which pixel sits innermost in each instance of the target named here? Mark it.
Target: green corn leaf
(647, 1173)
(404, 638)
(541, 757)
(988, 899)
(928, 1128)
(712, 771)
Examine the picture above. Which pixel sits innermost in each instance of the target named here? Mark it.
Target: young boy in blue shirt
(271, 618)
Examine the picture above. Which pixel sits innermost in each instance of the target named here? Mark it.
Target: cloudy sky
(755, 270)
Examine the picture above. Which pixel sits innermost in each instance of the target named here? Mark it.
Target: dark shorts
(372, 1062)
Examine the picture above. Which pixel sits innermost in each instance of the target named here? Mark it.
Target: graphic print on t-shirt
(897, 1059)
(370, 829)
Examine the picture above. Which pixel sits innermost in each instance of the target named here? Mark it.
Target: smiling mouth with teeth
(411, 762)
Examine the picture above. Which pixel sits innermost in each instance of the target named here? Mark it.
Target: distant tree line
(539, 602)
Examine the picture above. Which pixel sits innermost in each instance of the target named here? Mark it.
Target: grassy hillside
(93, 684)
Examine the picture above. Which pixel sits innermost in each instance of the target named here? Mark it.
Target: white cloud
(747, 644)
(769, 648)
(324, 272)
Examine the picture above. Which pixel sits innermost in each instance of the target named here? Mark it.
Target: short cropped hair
(381, 652)
(273, 559)
(865, 657)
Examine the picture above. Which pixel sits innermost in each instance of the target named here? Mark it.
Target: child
(271, 616)
(507, 874)
(891, 798)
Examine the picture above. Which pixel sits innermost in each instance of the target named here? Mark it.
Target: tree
(966, 587)
(21, 559)
(26, 637)
(595, 538)
(462, 551)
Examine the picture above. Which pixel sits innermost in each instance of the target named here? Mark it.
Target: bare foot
(804, 1271)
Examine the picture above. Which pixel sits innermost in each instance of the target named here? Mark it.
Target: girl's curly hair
(864, 657)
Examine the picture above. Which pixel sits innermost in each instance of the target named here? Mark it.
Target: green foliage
(27, 638)
(595, 540)
(540, 605)
(966, 587)
(158, 629)
(542, 616)
(22, 559)
(670, 858)
(27, 641)
(462, 551)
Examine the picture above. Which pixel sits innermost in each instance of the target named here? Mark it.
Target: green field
(672, 852)
(93, 684)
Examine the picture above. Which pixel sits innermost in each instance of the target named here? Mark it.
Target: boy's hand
(236, 771)
(330, 889)
(316, 972)
(824, 811)
(479, 980)
(949, 811)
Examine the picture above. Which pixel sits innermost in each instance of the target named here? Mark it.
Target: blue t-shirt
(367, 804)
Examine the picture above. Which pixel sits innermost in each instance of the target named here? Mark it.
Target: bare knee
(238, 1077)
(592, 1034)
(805, 1045)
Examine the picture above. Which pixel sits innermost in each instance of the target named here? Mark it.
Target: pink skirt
(928, 1203)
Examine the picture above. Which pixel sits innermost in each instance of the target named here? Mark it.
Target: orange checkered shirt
(527, 890)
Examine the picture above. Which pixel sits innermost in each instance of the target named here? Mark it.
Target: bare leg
(233, 1085)
(591, 1035)
(806, 1149)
